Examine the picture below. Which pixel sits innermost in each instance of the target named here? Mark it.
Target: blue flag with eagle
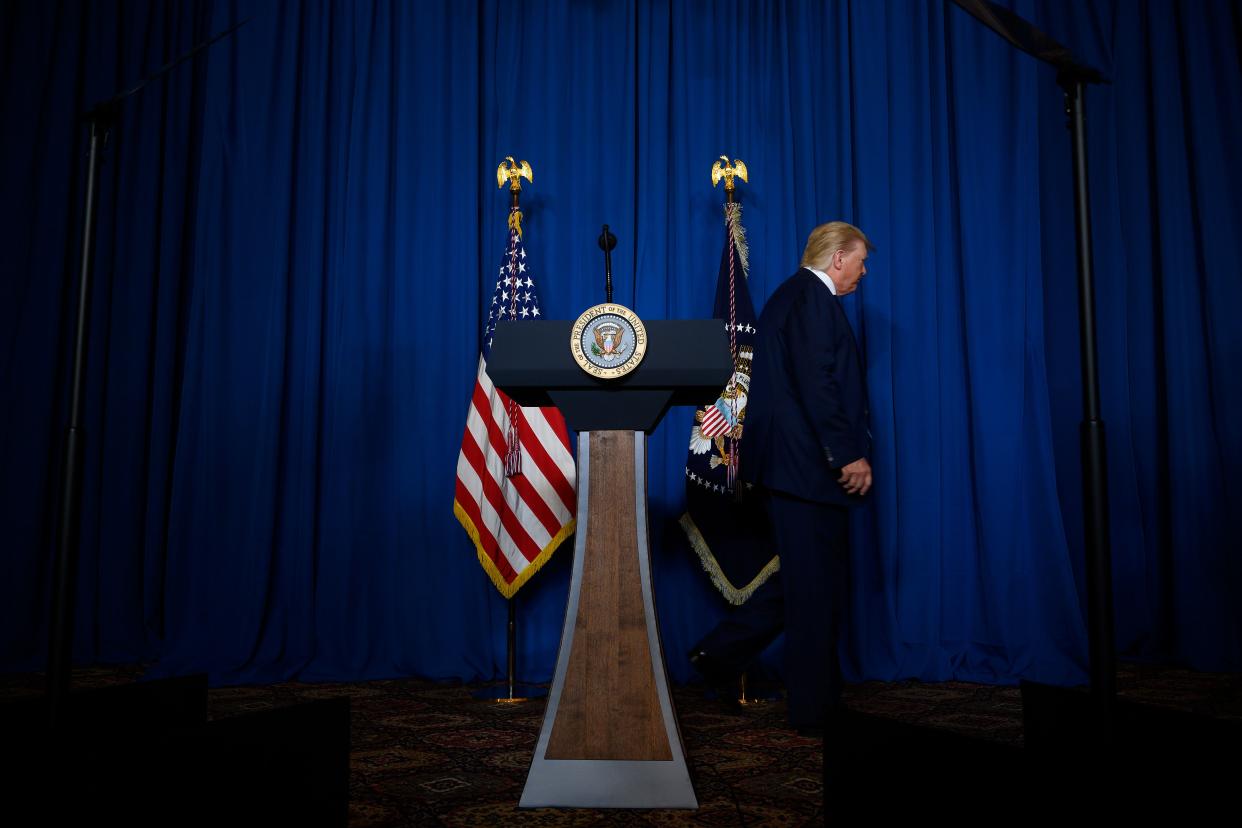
(725, 529)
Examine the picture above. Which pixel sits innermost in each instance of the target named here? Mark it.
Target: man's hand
(856, 477)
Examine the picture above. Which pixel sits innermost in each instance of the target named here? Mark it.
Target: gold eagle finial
(513, 173)
(728, 171)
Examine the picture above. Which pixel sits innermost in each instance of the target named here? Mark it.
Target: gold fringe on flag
(733, 594)
(489, 566)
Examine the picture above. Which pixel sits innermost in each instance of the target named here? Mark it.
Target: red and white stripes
(516, 522)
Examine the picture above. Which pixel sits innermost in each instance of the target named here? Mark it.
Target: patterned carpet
(431, 754)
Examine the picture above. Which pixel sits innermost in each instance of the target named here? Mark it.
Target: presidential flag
(724, 527)
(515, 473)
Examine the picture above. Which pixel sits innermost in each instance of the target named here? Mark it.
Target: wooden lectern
(610, 737)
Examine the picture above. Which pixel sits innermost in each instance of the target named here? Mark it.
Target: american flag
(718, 419)
(516, 520)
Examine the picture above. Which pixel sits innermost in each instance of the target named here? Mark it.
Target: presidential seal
(608, 341)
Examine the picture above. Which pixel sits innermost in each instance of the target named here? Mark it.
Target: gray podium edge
(610, 783)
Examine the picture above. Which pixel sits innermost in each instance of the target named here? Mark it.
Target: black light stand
(64, 577)
(101, 120)
(1073, 76)
(1101, 639)
(1114, 757)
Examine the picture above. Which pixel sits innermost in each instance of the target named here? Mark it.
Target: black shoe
(834, 720)
(721, 679)
(711, 668)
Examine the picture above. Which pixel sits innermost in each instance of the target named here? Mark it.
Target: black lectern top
(687, 363)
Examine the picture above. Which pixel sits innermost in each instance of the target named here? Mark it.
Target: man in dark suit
(804, 447)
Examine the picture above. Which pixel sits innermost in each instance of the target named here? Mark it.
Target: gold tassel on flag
(513, 172)
(737, 249)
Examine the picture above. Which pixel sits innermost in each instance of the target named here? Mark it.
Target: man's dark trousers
(804, 599)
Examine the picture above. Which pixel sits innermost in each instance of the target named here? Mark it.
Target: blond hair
(828, 239)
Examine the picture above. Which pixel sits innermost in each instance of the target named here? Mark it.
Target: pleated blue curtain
(59, 60)
(1165, 184)
(945, 120)
(298, 236)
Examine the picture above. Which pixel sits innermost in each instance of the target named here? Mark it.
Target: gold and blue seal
(608, 341)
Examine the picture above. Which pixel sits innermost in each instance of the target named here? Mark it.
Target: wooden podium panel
(609, 708)
(610, 737)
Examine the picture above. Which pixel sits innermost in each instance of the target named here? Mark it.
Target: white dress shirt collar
(823, 277)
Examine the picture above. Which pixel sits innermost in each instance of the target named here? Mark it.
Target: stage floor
(426, 753)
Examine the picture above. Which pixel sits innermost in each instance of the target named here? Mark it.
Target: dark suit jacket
(806, 415)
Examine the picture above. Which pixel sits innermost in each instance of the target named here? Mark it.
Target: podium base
(607, 783)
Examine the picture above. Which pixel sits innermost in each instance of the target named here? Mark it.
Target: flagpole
(510, 691)
(723, 169)
(742, 681)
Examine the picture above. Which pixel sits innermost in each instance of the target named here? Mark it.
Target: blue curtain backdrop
(297, 231)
